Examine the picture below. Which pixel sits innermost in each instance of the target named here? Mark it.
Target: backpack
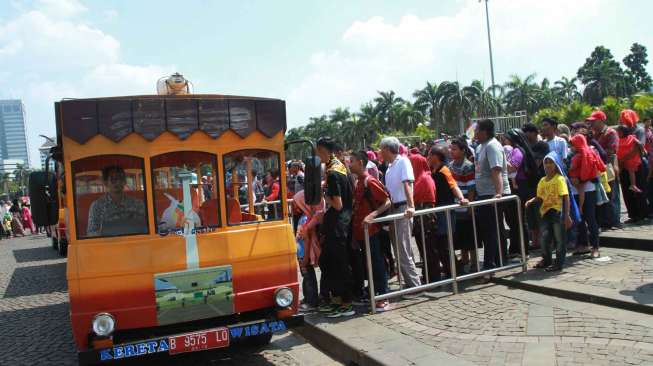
(367, 193)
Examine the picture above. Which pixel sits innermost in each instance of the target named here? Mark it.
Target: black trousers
(335, 267)
(636, 203)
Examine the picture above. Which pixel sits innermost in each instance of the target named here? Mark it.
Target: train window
(253, 188)
(185, 176)
(110, 197)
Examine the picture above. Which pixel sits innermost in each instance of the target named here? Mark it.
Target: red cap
(597, 116)
(629, 117)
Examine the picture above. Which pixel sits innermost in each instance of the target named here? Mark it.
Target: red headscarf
(424, 188)
(628, 117)
(586, 163)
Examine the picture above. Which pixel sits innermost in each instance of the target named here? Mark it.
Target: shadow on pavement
(36, 280)
(642, 294)
(37, 336)
(35, 254)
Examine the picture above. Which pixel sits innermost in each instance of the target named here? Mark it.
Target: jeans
(615, 199)
(487, 230)
(553, 232)
(309, 286)
(378, 266)
(588, 228)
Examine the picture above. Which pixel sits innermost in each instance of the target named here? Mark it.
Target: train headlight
(103, 324)
(283, 297)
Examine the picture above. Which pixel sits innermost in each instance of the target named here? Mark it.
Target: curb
(577, 296)
(619, 242)
(336, 347)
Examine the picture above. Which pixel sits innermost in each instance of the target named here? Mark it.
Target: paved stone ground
(491, 326)
(620, 274)
(34, 319)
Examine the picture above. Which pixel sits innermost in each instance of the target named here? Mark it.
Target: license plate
(199, 341)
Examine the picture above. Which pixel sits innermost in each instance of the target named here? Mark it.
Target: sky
(316, 55)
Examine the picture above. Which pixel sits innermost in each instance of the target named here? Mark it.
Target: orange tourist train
(171, 245)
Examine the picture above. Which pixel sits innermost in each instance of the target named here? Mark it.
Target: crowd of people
(16, 219)
(569, 180)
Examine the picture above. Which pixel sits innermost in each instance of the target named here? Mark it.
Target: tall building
(13, 139)
(44, 150)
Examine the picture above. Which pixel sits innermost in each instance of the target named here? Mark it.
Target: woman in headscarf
(424, 197)
(584, 171)
(16, 219)
(635, 200)
(527, 175)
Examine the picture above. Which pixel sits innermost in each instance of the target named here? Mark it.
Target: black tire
(55, 243)
(260, 340)
(63, 247)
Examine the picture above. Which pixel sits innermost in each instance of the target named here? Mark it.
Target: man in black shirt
(336, 233)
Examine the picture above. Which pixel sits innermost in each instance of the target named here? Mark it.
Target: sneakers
(382, 306)
(361, 302)
(327, 308)
(342, 311)
(307, 308)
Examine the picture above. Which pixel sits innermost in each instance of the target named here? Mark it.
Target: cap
(597, 116)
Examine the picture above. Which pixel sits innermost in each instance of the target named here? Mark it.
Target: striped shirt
(463, 174)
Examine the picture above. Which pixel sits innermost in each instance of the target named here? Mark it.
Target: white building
(44, 150)
(13, 140)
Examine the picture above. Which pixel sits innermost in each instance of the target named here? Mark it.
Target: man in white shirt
(399, 183)
(556, 143)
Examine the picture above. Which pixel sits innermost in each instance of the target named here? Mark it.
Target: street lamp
(489, 44)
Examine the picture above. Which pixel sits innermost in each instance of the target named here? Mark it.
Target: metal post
(398, 261)
(521, 236)
(478, 261)
(496, 216)
(426, 266)
(452, 253)
(489, 44)
(370, 272)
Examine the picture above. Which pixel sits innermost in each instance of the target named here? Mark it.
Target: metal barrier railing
(274, 207)
(454, 279)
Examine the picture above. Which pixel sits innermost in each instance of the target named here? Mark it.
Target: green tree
(426, 100)
(636, 74)
(522, 94)
(388, 105)
(612, 107)
(601, 75)
(410, 117)
(574, 112)
(566, 89)
(643, 105)
(456, 103)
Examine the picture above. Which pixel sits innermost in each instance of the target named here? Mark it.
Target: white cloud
(51, 53)
(550, 37)
(61, 8)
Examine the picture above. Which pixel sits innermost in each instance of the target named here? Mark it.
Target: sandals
(541, 264)
(553, 268)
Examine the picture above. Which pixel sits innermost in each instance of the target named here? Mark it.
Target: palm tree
(409, 117)
(566, 89)
(601, 81)
(457, 102)
(521, 94)
(21, 176)
(368, 122)
(5, 179)
(426, 100)
(387, 107)
(546, 96)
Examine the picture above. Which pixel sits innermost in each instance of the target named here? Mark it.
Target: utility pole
(489, 44)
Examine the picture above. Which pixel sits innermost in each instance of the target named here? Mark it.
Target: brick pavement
(35, 327)
(622, 275)
(494, 328)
